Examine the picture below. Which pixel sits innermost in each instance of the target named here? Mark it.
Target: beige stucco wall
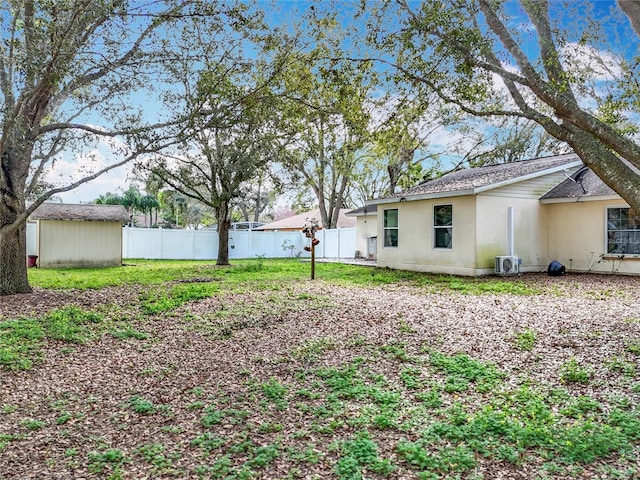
(577, 237)
(415, 238)
(79, 244)
(366, 227)
(529, 232)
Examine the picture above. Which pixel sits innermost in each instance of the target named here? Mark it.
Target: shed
(70, 235)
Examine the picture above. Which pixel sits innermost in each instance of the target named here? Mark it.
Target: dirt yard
(234, 386)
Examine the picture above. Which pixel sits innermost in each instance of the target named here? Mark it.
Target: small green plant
(208, 441)
(275, 392)
(411, 378)
(213, 416)
(461, 370)
(64, 418)
(129, 333)
(312, 350)
(141, 405)
(162, 300)
(32, 424)
(270, 427)
(71, 452)
(155, 454)
(111, 458)
(6, 409)
(21, 339)
(633, 347)
(404, 327)
(5, 438)
(620, 365)
(359, 453)
(525, 340)
(573, 372)
(430, 399)
(262, 456)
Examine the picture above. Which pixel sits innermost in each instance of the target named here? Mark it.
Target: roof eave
(422, 196)
(582, 198)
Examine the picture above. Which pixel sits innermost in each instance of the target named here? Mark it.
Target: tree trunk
(14, 168)
(13, 260)
(224, 224)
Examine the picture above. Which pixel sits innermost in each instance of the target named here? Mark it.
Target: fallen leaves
(236, 355)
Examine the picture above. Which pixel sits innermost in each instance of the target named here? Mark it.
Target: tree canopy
(556, 64)
(77, 72)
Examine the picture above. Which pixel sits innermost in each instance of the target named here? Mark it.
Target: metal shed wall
(79, 243)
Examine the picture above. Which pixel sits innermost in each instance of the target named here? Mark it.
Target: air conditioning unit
(507, 265)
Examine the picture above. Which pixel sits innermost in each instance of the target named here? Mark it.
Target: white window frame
(606, 231)
(435, 227)
(385, 228)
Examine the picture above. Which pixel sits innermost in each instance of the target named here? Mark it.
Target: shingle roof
(593, 187)
(298, 221)
(85, 212)
(475, 178)
(366, 210)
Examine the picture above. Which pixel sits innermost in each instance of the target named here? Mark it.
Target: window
(442, 226)
(623, 231)
(391, 227)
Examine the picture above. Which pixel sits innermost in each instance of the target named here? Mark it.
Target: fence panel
(158, 243)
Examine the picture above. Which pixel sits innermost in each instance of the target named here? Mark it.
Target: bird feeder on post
(309, 230)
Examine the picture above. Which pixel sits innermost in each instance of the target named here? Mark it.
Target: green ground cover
(327, 408)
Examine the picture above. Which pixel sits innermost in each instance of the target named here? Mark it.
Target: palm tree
(146, 204)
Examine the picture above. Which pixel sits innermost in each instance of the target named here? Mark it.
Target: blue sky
(121, 177)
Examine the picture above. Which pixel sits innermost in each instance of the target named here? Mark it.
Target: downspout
(510, 228)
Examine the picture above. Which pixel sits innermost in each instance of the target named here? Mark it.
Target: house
(526, 214)
(297, 222)
(79, 235)
(366, 230)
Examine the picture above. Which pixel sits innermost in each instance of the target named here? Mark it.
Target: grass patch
(263, 272)
(21, 339)
(164, 300)
(378, 407)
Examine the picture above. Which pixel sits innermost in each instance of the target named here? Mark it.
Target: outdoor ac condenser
(507, 265)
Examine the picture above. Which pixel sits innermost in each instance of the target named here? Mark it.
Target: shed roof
(472, 180)
(297, 222)
(80, 212)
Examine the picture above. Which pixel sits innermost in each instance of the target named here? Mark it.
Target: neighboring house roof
(80, 212)
(474, 180)
(583, 183)
(297, 222)
(362, 211)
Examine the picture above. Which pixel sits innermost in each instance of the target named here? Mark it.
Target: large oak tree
(72, 73)
(231, 137)
(553, 63)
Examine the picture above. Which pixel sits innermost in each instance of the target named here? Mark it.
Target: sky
(120, 178)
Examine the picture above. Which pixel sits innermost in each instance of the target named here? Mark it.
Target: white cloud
(69, 169)
(594, 64)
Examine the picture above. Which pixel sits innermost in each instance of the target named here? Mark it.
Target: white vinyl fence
(157, 243)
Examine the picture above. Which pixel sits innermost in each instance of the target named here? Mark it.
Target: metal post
(313, 255)
(309, 230)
